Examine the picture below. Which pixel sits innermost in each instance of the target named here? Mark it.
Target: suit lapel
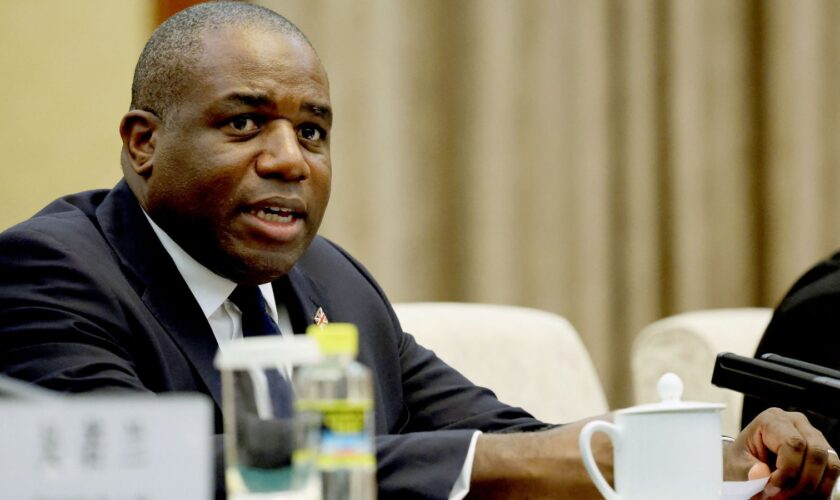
(310, 296)
(158, 282)
(185, 322)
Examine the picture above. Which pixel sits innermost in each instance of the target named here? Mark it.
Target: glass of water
(270, 448)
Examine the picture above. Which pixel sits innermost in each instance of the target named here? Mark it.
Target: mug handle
(585, 443)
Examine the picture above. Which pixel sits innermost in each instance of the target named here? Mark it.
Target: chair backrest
(530, 358)
(687, 344)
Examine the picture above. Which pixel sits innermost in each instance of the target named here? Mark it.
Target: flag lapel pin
(320, 317)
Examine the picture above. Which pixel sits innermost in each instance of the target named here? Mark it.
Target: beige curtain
(611, 161)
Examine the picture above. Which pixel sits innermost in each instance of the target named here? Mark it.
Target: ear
(138, 130)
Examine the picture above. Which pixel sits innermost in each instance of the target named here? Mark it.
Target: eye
(243, 124)
(311, 133)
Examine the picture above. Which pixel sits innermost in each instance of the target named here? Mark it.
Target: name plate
(114, 447)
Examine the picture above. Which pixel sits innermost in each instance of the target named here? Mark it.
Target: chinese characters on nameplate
(119, 447)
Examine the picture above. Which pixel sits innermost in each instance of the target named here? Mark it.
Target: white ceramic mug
(665, 450)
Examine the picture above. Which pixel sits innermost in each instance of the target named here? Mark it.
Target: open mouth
(276, 214)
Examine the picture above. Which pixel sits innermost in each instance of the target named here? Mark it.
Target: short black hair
(165, 66)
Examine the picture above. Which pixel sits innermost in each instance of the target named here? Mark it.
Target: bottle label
(344, 439)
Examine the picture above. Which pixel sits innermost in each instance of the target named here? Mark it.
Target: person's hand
(785, 446)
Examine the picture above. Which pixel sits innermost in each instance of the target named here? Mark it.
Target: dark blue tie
(256, 321)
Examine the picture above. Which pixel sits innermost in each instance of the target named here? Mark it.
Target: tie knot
(246, 297)
(256, 319)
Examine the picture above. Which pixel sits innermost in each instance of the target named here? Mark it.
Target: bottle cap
(336, 338)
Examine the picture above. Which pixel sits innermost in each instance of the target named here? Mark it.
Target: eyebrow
(252, 100)
(258, 100)
(319, 110)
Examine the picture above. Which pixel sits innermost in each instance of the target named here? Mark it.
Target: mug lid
(670, 389)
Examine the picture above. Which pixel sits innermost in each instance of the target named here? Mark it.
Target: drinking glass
(270, 450)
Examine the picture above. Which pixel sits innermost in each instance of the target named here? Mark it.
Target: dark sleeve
(60, 325)
(805, 326)
(441, 398)
(56, 328)
(426, 457)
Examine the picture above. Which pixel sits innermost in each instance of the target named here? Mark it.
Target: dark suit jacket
(90, 300)
(806, 326)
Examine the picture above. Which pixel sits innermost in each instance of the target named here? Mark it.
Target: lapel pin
(320, 317)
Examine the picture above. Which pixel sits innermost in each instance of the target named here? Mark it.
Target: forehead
(257, 59)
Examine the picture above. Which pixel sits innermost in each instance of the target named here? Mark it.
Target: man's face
(240, 174)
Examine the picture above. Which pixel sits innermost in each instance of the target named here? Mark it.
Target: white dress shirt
(211, 291)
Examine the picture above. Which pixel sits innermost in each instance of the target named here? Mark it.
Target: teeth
(275, 214)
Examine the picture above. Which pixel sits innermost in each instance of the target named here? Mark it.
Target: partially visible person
(806, 326)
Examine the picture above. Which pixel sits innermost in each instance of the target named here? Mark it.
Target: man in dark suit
(226, 178)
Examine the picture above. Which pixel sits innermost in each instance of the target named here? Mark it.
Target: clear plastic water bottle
(341, 390)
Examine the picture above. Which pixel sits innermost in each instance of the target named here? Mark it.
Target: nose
(281, 155)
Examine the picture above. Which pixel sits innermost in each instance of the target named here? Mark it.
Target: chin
(264, 268)
(254, 264)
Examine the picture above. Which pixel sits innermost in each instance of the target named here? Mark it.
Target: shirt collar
(209, 289)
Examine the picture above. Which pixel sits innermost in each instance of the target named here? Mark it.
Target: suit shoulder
(325, 257)
(63, 222)
(78, 206)
(340, 275)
